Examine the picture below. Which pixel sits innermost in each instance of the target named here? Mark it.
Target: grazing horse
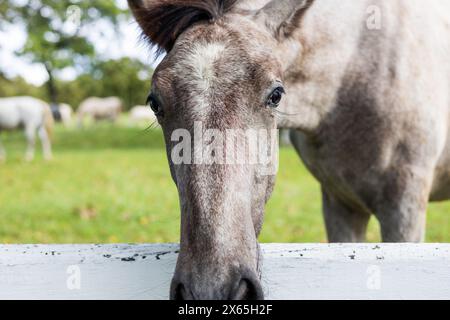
(66, 113)
(34, 116)
(99, 109)
(364, 87)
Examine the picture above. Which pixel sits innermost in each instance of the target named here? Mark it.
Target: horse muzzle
(241, 285)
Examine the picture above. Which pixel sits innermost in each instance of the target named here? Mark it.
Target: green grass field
(112, 184)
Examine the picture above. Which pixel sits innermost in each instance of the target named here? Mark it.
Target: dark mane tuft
(162, 21)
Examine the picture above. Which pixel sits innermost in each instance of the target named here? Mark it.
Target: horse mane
(162, 21)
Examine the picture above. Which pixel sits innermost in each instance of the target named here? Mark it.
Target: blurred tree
(19, 87)
(3, 15)
(123, 78)
(58, 32)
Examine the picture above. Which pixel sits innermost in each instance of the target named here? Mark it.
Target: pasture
(111, 183)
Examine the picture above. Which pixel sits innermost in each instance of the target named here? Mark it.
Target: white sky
(108, 44)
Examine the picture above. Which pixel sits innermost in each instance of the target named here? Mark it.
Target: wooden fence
(291, 271)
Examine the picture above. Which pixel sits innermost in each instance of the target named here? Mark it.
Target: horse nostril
(248, 290)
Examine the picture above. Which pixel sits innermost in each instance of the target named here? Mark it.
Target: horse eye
(155, 105)
(275, 97)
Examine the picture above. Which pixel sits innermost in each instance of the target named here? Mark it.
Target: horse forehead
(204, 73)
(198, 66)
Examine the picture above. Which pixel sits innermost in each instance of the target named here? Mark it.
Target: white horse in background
(66, 113)
(99, 109)
(141, 115)
(34, 116)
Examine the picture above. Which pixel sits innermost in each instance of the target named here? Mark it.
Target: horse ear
(138, 7)
(147, 14)
(282, 17)
(140, 10)
(162, 21)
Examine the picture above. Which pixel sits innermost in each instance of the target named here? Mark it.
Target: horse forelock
(162, 21)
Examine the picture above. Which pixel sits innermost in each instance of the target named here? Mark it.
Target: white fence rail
(291, 271)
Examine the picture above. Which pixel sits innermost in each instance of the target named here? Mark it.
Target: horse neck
(317, 58)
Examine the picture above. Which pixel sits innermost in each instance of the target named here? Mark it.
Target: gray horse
(34, 116)
(364, 87)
